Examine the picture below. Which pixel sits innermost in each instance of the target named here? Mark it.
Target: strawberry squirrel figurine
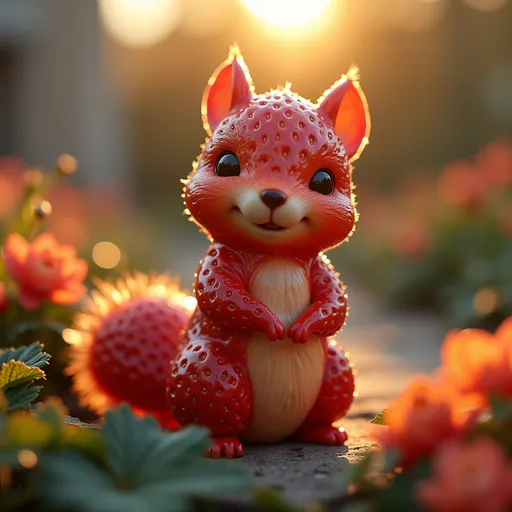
(272, 189)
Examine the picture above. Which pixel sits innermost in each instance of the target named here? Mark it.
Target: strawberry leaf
(31, 355)
(381, 418)
(501, 408)
(145, 469)
(19, 368)
(15, 373)
(22, 396)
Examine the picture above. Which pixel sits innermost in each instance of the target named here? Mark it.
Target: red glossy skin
(280, 140)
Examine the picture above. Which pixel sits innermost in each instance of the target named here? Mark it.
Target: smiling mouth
(271, 226)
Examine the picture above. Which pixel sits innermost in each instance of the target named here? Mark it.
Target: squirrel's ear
(345, 108)
(229, 87)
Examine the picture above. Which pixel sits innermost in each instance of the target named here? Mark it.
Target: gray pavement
(387, 348)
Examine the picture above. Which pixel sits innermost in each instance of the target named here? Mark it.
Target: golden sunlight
(139, 23)
(287, 13)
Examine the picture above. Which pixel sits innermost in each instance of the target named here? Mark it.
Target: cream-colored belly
(285, 376)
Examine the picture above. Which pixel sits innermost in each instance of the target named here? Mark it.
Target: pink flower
(418, 421)
(45, 270)
(473, 477)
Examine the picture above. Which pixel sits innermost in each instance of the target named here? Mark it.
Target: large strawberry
(124, 344)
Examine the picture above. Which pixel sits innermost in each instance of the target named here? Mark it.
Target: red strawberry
(131, 352)
(207, 386)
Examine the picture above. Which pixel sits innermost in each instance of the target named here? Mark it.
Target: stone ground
(386, 349)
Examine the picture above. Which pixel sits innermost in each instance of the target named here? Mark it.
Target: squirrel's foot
(228, 447)
(322, 435)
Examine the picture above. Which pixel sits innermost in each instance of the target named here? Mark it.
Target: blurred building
(55, 95)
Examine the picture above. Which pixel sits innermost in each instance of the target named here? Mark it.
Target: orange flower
(418, 421)
(45, 270)
(475, 363)
(471, 477)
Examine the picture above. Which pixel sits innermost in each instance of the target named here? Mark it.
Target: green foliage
(128, 464)
(31, 355)
(381, 418)
(15, 373)
(448, 243)
(20, 367)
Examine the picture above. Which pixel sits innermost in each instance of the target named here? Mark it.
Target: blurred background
(118, 83)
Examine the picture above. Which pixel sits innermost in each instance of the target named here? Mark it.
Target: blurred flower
(419, 419)
(462, 185)
(45, 270)
(495, 163)
(123, 342)
(472, 477)
(3, 298)
(411, 240)
(475, 363)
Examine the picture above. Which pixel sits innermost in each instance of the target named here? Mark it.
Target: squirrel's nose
(273, 198)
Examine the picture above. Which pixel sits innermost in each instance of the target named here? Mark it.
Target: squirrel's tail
(123, 341)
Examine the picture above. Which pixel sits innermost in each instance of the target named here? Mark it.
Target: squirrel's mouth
(270, 226)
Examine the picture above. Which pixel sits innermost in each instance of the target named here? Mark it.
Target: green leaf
(357, 472)
(501, 408)
(381, 418)
(20, 397)
(400, 495)
(146, 469)
(31, 355)
(271, 500)
(14, 373)
(140, 452)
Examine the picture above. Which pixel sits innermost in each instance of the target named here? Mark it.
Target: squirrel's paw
(299, 331)
(229, 447)
(322, 435)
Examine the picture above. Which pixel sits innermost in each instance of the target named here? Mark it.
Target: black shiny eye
(322, 182)
(228, 165)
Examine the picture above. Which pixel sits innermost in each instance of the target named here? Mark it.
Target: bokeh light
(106, 255)
(27, 458)
(204, 18)
(287, 13)
(486, 5)
(486, 301)
(190, 303)
(71, 336)
(139, 23)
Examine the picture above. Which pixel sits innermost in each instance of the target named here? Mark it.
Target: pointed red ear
(345, 108)
(229, 87)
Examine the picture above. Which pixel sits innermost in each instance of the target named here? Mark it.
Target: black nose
(273, 198)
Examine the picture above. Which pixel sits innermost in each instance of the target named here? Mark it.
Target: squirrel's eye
(228, 165)
(322, 182)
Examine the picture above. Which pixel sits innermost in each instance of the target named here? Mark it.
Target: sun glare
(139, 23)
(287, 13)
